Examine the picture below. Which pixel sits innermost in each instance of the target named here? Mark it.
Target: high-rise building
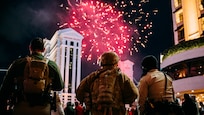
(65, 49)
(185, 60)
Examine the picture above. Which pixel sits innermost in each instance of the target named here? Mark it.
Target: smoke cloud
(21, 21)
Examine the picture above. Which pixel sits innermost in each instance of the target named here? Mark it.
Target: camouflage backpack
(104, 87)
(36, 77)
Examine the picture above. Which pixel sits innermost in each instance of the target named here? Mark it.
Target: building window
(65, 62)
(197, 68)
(76, 70)
(177, 3)
(191, 68)
(179, 16)
(202, 23)
(65, 52)
(72, 43)
(181, 34)
(179, 71)
(69, 88)
(70, 67)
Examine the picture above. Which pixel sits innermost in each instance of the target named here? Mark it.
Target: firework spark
(103, 28)
(120, 26)
(138, 14)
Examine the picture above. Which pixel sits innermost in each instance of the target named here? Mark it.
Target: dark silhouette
(201, 109)
(16, 94)
(79, 109)
(189, 106)
(69, 109)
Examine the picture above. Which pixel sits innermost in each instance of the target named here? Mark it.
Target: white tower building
(65, 49)
(127, 67)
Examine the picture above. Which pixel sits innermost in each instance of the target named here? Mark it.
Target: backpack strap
(48, 80)
(27, 67)
(165, 86)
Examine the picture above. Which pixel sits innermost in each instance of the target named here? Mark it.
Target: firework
(120, 26)
(103, 28)
(138, 14)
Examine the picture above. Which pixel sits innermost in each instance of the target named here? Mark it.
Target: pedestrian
(59, 110)
(155, 87)
(29, 81)
(189, 105)
(69, 109)
(79, 108)
(107, 90)
(201, 108)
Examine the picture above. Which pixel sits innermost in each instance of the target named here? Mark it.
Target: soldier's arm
(83, 90)
(130, 92)
(55, 75)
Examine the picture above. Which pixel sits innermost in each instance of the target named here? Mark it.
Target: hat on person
(109, 58)
(149, 62)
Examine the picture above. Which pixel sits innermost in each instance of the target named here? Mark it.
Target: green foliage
(183, 46)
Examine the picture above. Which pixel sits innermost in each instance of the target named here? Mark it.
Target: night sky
(21, 20)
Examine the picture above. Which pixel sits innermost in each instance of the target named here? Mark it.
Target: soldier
(107, 90)
(30, 103)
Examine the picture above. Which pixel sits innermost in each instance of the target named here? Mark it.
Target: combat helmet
(108, 58)
(149, 62)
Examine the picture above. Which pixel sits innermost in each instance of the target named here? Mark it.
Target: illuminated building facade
(127, 67)
(65, 49)
(185, 60)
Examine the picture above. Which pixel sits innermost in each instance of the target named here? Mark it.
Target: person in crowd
(79, 108)
(132, 110)
(197, 105)
(201, 109)
(152, 84)
(189, 105)
(121, 89)
(59, 107)
(14, 84)
(86, 111)
(69, 109)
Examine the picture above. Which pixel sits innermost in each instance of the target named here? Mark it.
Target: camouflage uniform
(125, 93)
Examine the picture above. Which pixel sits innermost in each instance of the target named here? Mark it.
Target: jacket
(152, 87)
(16, 72)
(127, 93)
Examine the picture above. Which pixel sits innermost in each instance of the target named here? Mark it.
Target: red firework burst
(103, 28)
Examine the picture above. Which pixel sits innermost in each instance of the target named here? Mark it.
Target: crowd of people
(75, 109)
(189, 106)
(79, 109)
(105, 91)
